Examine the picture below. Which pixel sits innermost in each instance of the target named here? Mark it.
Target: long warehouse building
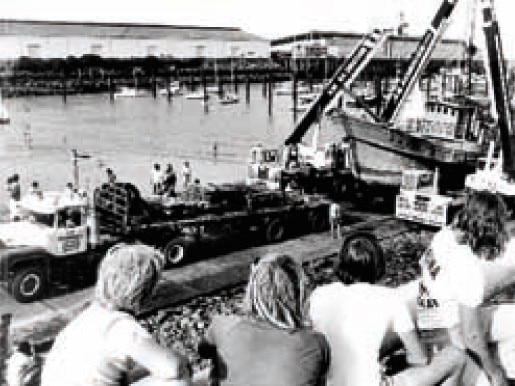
(60, 39)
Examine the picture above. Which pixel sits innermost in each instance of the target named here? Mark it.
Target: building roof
(122, 30)
(315, 35)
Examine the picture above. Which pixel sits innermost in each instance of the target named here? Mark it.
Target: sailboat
(4, 113)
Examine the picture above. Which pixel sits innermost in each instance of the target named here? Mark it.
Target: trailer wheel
(28, 284)
(176, 251)
(275, 231)
(318, 221)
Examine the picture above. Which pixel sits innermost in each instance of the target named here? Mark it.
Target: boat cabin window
(46, 219)
(270, 156)
(69, 218)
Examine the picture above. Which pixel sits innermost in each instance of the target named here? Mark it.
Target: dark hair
(35, 184)
(15, 177)
(483, 223)
(24, 347)
(277, 292)
(109, 170)
(360, 260)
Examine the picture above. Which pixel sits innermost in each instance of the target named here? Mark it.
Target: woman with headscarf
(272, 343)
(105, 345)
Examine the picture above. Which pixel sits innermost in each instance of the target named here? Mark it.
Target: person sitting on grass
(355, 316)
(105, 345)
(272, 344)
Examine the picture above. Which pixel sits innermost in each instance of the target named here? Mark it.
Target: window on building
(152, 50)
(200, 51)
(96, 49)
(234, 51)
(34, 50)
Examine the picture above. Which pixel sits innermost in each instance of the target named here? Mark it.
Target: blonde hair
(128, 276)
(276, 292)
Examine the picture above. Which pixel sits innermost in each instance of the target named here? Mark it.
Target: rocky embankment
(182, 327)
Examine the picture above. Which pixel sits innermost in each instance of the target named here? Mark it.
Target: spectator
(453, 279)
(335, 215)
(104, 345)
(186, 175)
(157, 179)
(197, 191)
(111, 177)
(355, 317)
(35, 190)
(170, 181)
(272, 344)
(14, 190)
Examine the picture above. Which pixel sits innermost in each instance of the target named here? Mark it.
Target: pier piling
(5, 344)
(247, 89)
(270, 93)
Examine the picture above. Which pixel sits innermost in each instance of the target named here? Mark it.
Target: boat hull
(380, 153)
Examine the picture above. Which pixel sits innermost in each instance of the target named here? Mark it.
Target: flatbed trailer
(66, 241)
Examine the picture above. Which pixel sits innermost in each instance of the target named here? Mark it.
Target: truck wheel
(318, 222)
(275, 231)
(28, 284)
(175, 252)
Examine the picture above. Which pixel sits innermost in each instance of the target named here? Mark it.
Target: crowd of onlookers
(340, 333)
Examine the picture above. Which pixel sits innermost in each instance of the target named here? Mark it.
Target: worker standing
(186, 175)
(335, 214)
(14, 190)
(157, 179)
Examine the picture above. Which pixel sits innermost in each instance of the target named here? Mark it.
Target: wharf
(40, 321)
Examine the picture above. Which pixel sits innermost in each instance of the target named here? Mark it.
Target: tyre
(275, 231)
(318, 221)
(29, 284)
(176, 252)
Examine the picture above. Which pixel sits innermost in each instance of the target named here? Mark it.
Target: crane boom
(496, 72)
(341, 80)
(419, 60)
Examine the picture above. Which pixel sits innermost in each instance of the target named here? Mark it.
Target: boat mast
(420, 59)
(496, 72)
(346, 73)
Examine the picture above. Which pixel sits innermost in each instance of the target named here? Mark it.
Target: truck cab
(58, 226)
(51, 228)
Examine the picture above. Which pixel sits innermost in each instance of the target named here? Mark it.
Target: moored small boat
(229, 98)
(129, 92)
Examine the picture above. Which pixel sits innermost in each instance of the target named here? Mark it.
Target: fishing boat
(199, 95)
(305, 102)
(442, 139)
(229, 98)
(288, 89)
(129, 92)
(174, 88)
(446, 135)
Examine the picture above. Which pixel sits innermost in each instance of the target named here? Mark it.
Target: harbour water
(130, 134)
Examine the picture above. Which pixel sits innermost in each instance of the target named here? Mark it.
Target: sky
(267, 18)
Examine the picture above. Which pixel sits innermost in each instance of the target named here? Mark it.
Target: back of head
(483, 222)
(128, 276)
(276, 292)
(359, 262)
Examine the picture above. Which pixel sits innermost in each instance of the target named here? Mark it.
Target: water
(129, 135)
